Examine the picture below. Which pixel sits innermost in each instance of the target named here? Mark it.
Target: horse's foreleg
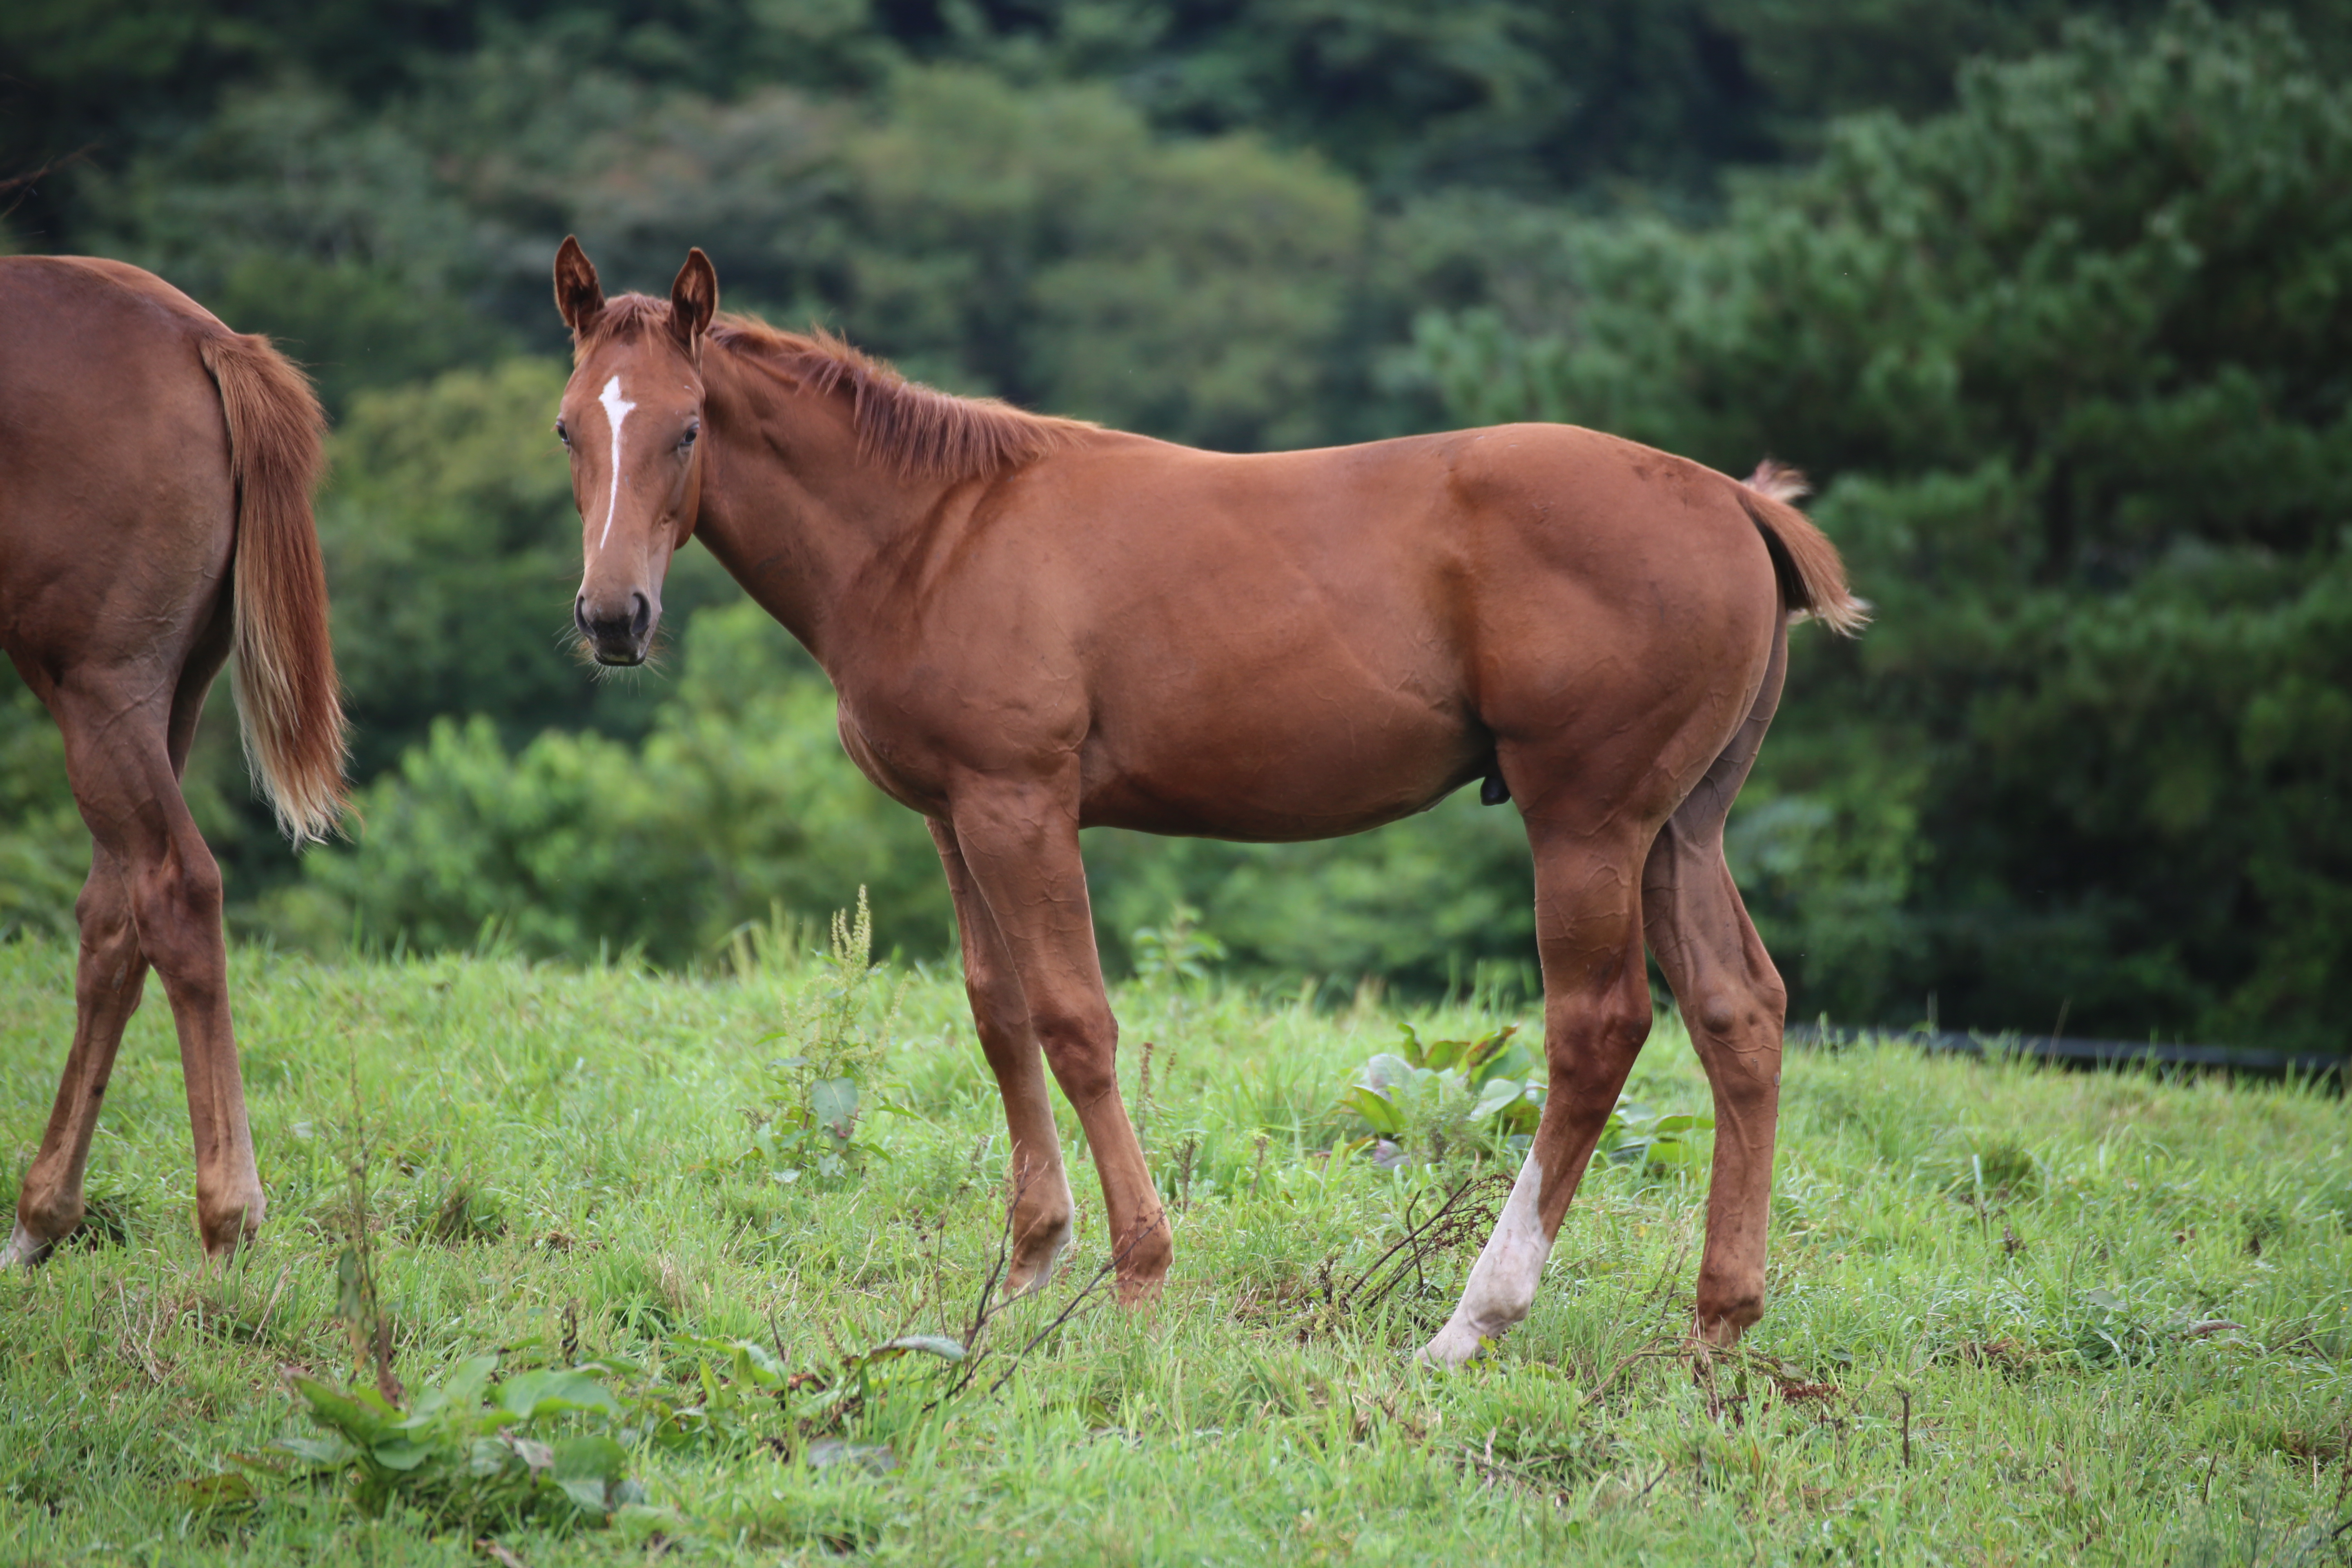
(1021, 845)
(117, 758)
(1596, 1016)
(1039, 1222)
(111, 973)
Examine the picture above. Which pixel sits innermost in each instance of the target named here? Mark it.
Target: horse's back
(116, 504)
(1291, 644)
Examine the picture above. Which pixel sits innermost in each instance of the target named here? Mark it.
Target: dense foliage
(2071, 361)
(2061, 336)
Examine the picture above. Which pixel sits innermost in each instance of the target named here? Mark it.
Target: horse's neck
(796, 515)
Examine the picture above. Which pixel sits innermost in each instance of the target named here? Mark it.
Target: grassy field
(2018, 1315)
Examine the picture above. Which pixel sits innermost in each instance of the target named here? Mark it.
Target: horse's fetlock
(1732, 1309)
(51, 1218)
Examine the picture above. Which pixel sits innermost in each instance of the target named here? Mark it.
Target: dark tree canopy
(2048, 296)
(2075, 363)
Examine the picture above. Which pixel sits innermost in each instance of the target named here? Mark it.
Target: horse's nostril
(579, 614)
(640, 614)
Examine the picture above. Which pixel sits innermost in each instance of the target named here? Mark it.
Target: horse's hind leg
(107, 985)
(122, 735)
(1734, 1004)
(1596, 1016)
(1039, 1220)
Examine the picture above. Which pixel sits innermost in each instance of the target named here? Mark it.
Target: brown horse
(155, 473)
(1036, 625)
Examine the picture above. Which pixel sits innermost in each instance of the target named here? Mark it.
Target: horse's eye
(685, 442)
(562, 434)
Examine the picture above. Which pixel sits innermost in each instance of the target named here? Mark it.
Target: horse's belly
(1278, 772)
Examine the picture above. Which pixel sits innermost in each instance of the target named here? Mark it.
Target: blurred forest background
(2051, 300)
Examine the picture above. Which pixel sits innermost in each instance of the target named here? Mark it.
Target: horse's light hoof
(24, 1249)
(1456, 1344)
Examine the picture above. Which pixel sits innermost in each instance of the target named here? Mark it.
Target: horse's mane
(919, 431)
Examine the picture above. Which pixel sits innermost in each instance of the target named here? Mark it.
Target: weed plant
(2017, 1315)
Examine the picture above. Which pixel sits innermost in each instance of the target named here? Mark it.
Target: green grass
(2031, 1257)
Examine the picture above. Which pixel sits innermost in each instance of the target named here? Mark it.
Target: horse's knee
(1597, 1055)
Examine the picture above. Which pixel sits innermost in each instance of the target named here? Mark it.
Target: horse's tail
(1812, 578)
(287, 694)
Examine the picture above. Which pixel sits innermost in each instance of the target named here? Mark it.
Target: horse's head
(631, 416)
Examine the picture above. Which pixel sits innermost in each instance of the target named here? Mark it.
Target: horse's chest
(897, 770)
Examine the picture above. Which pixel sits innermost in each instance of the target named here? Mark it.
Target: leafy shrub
(739, 803)
(1442, 1096)
(1448, 1094)
(843, 1025)
(1177, 951)
(473, 1455)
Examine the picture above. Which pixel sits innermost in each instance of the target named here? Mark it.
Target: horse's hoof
(24, 1249)
(1457, 1343)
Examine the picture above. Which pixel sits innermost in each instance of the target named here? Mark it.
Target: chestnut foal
(155, 473)
(1036, 625)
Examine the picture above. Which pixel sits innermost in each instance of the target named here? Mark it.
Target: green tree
(2071, 361)
(1044, 244)
(44, 853)
(738, 801)
(291, 213)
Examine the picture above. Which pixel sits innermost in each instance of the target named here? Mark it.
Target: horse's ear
(693, 299)
(578, 296)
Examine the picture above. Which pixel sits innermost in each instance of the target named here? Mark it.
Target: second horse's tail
(287, 694)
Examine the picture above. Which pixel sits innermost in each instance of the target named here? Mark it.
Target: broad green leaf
(1375, 1109)
(400, 1453)
(833, 1102)
(465, 1381)
(591, 1458)
(330, 1452)
(748, 1360)
(1497, 1093)
(586, 1494)
(533, 1395)
(929, 1344)
(488, 1455)
(362, 1414)
(1512, 1061)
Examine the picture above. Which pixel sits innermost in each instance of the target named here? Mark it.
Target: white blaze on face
(616, 409)
(1503, 1282)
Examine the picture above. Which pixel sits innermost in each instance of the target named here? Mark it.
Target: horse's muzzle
(615, 634)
